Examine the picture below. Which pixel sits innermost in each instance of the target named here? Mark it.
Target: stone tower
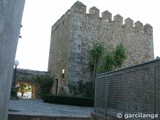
(74, 33)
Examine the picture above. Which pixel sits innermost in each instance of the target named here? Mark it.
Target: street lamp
(16, 63)
(63, 73)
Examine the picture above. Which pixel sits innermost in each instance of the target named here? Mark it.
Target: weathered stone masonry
(76, 31)
(27, 76)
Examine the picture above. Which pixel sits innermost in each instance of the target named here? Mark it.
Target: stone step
(30, 117)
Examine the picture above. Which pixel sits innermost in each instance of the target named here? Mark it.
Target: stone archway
(27, 77)
(35, 88)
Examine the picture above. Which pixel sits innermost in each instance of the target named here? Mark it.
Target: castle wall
(27, 76)
(88, 28)
(60, 49)
(83, 29)
(138, 44)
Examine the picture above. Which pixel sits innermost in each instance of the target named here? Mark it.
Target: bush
(45, 83)
(13, 94)
(81, 88)
(68, 100)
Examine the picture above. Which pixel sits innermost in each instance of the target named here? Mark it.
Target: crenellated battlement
(128, 22)
(62, 19)
(118, 19)
(148, 28)
(78, 7)
(94, 12)
(107, 15)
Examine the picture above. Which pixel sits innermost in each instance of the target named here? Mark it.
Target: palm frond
(120, 55)
(95, 54)
(108, 62)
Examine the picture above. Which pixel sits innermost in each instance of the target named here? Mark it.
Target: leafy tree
(22, 88)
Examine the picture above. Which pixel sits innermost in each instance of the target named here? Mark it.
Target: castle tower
(74, 33)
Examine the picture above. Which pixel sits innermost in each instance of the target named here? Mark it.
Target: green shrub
(81, 88)
(45, 83)
(13, 94)
(68, 100)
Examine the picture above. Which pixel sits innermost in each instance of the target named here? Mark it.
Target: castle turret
(94, 11)
(79, 7)
(107, 15)
(118, 19)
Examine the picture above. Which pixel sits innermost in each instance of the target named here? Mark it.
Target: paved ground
(39, 108)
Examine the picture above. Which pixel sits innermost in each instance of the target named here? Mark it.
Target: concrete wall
(10, 23)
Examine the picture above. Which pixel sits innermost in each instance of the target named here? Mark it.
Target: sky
(40, 15)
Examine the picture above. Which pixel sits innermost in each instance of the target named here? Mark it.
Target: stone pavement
(39, 108)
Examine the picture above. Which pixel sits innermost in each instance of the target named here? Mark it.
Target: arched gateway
(27, 77)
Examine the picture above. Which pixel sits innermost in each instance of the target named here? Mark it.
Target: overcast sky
(40, 15)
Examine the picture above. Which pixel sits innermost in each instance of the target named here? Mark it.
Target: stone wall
(10, 23)
(27, 76)
(60, 49)
(76, 31)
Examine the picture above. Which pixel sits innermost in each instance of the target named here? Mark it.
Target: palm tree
(113, 59)
(119, 55)
(108, 62)
(95, 55)
(103, 60)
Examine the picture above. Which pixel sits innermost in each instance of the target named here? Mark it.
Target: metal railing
(132, 90)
